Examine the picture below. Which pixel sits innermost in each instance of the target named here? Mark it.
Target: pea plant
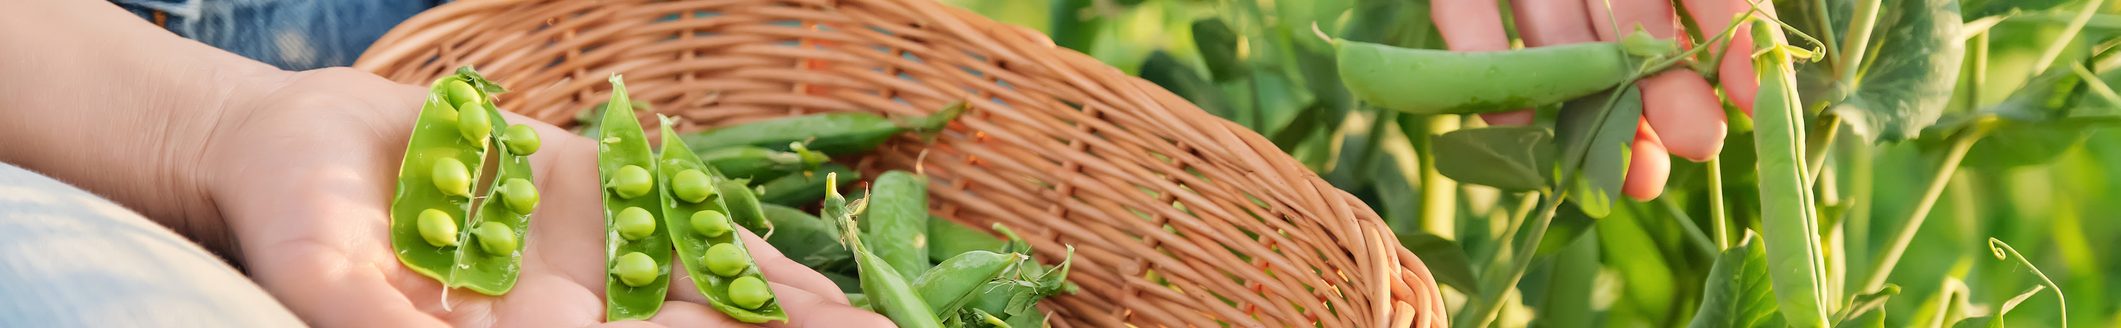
(1891, 145)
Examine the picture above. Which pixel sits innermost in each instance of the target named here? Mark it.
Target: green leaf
(1996, 320)
(1984, 8)
(1738, 292)
(1866, 304)
(1595, 132)
(1514, 158)
(1218, 47)
(1908, 82)
(1168, 72)
(1280, 99)
(1445, 259)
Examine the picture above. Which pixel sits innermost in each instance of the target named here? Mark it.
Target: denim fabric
(290, 34)
(71, 259)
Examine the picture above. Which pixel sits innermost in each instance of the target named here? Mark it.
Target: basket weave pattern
(1178, 218)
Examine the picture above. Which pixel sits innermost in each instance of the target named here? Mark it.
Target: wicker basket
(1179, 218)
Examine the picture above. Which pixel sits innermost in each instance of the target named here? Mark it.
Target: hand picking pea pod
(700, 224)
(637, 248)
(898, 210)
(442, 158)
(831, 133)
(1429, 81)
(494, 257)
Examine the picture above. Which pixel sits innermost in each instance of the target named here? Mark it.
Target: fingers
(781, 270)
(806, 309)
(1648, 165)
(1469, 25)
(1735, 72)
(1654, 16)
(1685, 112)
(1550, 22)
(1476, 26)
(567, 228)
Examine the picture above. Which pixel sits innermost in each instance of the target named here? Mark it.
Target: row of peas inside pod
(451, 139)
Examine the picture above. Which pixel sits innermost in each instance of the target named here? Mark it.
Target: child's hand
(304, 177)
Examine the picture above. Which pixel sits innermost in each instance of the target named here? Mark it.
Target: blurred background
(2051, 191)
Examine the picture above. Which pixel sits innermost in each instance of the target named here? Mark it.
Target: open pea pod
(700, 219)
(494, 257)
(637, 248)
(442, 159)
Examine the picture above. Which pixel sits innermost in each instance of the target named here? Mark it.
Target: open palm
(305, 177)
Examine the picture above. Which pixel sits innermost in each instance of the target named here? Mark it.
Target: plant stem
(2076, 25)
(1439, 195)
(1815, 152)
(1717, 218)
(1693, 233)
(1825, 30)
(1850, 60)
(1498, 278)
(1894, 248)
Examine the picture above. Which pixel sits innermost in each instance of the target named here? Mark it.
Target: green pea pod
(1787, 220)
(494, 258)
(694, 243)
(947, 239)
(831, 133)
(1018, 296)
(435, 179)
(805, 238)
(759, 163)
(950, 285)
(622, 148)
(886, 290)
(1427, 81)
(744, 205)
(898, 210)
(798, 190)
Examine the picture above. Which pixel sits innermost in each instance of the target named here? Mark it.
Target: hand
(1681, 115)
(304, 175)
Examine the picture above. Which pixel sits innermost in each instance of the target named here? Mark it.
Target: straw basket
(1178, 218)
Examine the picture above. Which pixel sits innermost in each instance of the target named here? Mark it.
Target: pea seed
(495, 237)
(710, 223)
(459, 92)
(692, 186)
(473, 122)
(750, 292)
(725, 260)
(631, 181)
(520, 195)
(635, 269)
(438, 228)
(520, 139)
(452, 177)
(635, 223)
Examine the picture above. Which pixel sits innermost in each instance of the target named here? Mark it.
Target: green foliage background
(2054, 194)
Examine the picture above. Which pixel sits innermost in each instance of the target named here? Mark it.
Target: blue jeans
(290, 34)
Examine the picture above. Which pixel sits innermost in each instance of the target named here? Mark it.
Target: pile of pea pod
(692, 195)
(768, 176)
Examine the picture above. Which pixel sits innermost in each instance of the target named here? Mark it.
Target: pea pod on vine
(637, 248)
(700, 219)
(1429, 81)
